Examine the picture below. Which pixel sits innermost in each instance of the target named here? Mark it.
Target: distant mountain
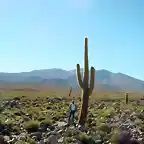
(104, 79)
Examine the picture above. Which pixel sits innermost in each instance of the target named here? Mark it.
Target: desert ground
(31, 114)
(34, 90)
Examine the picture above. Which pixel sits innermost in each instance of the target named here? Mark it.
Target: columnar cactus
(126, 98)
(70, 91)
(84, 84)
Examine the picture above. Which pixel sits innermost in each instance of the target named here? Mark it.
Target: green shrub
(68, 140)
(104, 127)
(69, 133)
(47, 122)
(114, 136)
(84, 138)
(32, 126)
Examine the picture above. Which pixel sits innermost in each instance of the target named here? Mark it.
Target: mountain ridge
(56, 76)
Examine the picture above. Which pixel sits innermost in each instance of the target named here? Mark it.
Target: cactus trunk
(84, 84)
(84, 108)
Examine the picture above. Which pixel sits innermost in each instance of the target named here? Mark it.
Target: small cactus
(70, 90)
(126, 98)
(84, 84)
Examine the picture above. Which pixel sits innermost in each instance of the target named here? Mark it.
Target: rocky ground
(44, 121)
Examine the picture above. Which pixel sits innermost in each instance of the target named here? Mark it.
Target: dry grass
(13, 90)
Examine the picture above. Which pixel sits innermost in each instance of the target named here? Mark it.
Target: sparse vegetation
(37, 116)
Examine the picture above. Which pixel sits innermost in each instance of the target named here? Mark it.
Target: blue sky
(41, 34)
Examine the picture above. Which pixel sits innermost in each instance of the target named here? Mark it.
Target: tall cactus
(84, 84)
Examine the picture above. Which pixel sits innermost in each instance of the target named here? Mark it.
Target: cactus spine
(84, 84)
(126, 98)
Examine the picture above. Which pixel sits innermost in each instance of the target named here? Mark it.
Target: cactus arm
(79, 79)
(92, 80)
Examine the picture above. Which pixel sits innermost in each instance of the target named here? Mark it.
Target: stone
(2, 141)
(52, 139)
(37, 135)
(60, 140)
(61, 124)
(6, 138)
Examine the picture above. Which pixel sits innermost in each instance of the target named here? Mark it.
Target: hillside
(104, 79)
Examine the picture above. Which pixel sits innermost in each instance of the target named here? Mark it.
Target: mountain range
(103, 79)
